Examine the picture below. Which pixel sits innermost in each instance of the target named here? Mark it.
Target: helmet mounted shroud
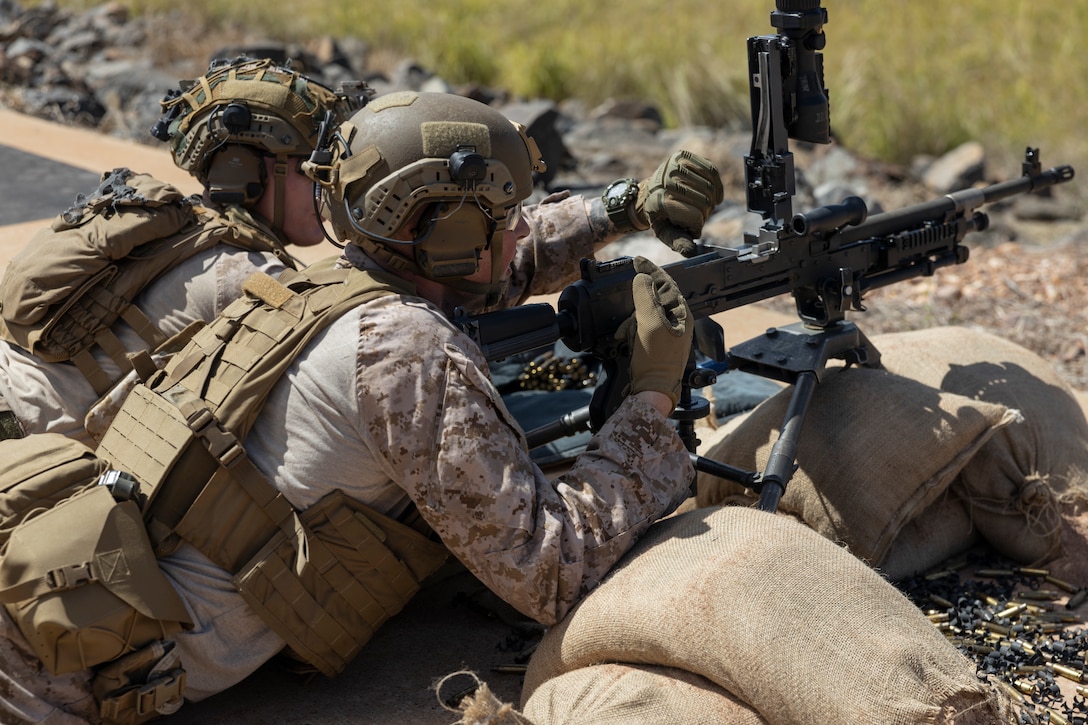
(221, 126)
(452, 170)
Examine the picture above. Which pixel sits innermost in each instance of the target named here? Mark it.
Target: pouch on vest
(83, 586)
(324, 580)
(38, 471)
(76, 256)
(341, 574)
(141, 686)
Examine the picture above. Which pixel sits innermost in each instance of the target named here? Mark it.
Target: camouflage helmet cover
(253, 102)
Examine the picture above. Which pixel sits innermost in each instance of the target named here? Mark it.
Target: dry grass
(905, 78)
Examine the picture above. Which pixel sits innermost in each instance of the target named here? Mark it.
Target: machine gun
(827, 259)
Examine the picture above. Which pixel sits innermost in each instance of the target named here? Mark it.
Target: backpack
(38, 471)
(64, 292)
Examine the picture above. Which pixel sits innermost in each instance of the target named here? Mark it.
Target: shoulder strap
(233, 363)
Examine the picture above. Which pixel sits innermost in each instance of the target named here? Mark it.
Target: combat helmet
(455, 168)
(219, 126)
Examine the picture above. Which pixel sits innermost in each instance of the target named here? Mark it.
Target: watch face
(616, 193)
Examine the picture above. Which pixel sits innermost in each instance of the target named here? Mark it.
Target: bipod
(797, 354)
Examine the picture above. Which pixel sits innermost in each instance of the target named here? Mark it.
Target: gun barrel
(882, 225)
(1035, 182)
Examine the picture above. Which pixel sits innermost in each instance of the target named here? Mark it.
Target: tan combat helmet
(219, 126)
(461, 163)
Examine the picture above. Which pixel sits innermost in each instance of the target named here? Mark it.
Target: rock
(958, 169)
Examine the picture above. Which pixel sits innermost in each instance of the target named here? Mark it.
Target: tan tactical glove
(659, 332)
(678, 198)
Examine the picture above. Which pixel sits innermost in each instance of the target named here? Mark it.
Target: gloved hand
(659, 332)
(678, 198)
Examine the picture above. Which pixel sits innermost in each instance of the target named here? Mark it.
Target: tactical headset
(221, 126)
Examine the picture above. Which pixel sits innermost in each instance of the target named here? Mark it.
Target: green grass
(906, 77)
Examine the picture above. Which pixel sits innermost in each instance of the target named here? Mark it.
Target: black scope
(802, 22)
(851, 212)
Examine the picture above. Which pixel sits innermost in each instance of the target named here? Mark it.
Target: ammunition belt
(552, 372)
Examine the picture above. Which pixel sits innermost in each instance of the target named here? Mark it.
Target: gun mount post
(786, 82)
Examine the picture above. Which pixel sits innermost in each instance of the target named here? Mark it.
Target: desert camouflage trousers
(29, 693)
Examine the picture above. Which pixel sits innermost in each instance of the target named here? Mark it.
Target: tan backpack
(64, 292)
(37, 472)
(79, 578)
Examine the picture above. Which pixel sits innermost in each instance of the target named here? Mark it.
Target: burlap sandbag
(875, 450)
(784, 619)
(1013, 483)
(939, 533)
(621, 694)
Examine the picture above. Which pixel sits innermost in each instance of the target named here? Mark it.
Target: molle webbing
(234, 361)
(229, 367)
(203, 489)
(90, 315)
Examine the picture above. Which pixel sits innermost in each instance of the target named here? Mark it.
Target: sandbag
(1013, 484)
(769, 610)
(942, 531)
(875, 450)
(620, 694)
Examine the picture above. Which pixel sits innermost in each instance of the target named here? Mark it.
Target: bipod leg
(781, 464)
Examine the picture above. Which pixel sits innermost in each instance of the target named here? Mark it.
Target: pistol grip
(611, 391)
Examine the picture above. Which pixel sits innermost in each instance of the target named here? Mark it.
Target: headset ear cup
(453, 244)
(236, 175)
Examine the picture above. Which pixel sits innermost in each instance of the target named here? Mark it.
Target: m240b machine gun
(827, 259)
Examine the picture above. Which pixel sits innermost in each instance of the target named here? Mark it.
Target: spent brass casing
(1063, 585)
(1067, 672)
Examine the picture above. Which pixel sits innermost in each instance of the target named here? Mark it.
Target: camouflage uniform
(394, 406)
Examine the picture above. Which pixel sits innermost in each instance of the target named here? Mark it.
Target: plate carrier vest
(324, 579)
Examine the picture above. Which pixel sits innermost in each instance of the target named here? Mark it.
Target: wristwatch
(619, 204)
